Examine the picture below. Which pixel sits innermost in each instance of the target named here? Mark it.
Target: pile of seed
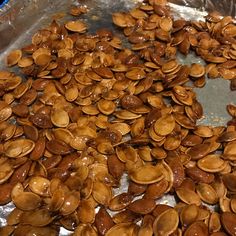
(91, 111)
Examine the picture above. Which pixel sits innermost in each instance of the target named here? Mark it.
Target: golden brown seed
(122, 228)
(57, 200)
(211, 163)
(166, 24)
(77, 10)
(104, 72)
(197, 228)
(86, 212)
(85, 229)
(18, 148)
(65, 53)
(228, 220)
(207, 193)
(160, 208)
(58, 147)
(199, 175)
(229, 181)
(146, 174)
(60, 118)
(63, 135)
(41, 217)
(106, 107)
(105, 148)
(156, 190)
(40, 51)
(24, 229)
(224, 203)
(135, 74)
(120, 201)
(39, 185)
(127, 153)
(178, 172)
(103, 221)
(227, 136)
(135, 189)
(6, 170)
(14, 217)
(164, 125)
(138, 14)
(170, 66)
(229, 150)
(233, 205)
(228, 74)
(25, 201)
(188, 196)
(5, 111)
(25, 62)
(76, 26)
(102, 193)
(184, 121)
(198, 151)
(7, 230)
(13, 57)
(71, 202)
(38, 150)
(31, 132)
(172, 142)
(130, 102)
(197, 70)
(214, 222)
(189, 214)
(203, 131)
(124, 217)
(42, 59)
(142, 206)
(123, 19)
(79, 142)
(71, 94)
(166, 223)
(146, 229)
(126, 115)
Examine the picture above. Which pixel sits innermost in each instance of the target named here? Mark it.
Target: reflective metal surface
(20, 19)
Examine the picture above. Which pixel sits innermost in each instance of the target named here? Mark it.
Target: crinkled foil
(19, 20)
(225, 7)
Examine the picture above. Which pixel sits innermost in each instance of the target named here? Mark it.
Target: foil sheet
(19, 20)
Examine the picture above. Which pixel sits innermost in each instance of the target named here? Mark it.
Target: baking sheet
(21, 19)
(16, 31)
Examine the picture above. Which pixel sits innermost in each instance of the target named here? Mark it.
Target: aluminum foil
(225, 7)
(19, 20)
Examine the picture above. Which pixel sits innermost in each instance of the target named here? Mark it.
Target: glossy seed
(197, 228)
(164, 125)
(211, 163)
(142, 206)
(207, 193)
(166, 223)
(119, 229)
(189, 214)
(228, 220)
(188, 196)
(13, 57)
(76, 26)
(197, 70)
(146, 174)
(60, 118)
